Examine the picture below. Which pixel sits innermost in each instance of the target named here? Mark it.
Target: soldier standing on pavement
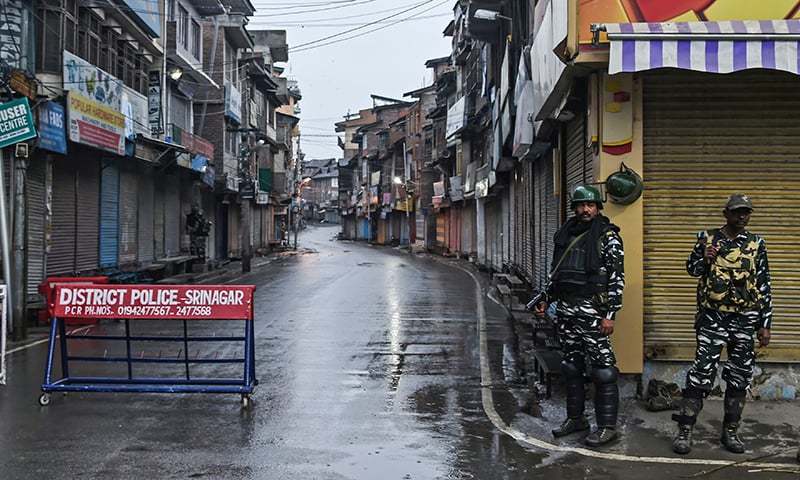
(734, 299)
(586, 282)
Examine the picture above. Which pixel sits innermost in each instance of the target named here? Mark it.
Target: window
(183, 27)
(56, 30)
(196, 39)
(231, 141)
(231, 65)
(89, 35)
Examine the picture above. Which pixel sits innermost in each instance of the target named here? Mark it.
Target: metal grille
(109, 216)
(706, 137)
(579, 158)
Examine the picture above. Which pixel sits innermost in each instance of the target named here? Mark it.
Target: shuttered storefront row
(546, 218)
(61, 258)
(705, 137)
(172, 216)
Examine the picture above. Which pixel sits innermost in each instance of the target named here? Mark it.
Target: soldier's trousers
(716, 330)
(582, 341)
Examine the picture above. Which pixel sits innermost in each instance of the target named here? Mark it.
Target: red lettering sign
(182, 302)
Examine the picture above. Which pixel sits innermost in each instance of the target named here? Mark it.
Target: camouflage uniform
(579, 318)
(718, 323)
(734, 300)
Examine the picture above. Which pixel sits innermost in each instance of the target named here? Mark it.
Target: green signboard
(16, 122)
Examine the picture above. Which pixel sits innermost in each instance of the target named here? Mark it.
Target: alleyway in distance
(368, 361)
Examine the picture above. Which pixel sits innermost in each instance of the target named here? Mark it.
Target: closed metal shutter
(172, 214)
(441, 229)
(128, 207)
(145, 231)
(109, 216)
(705, 137)
(528, 220)
(505, 226)
(88, 214)
(547, 213)
(37, 215)
(454, 240)
(61, 257)
(468, 228)
(158, 220)
(579, 158)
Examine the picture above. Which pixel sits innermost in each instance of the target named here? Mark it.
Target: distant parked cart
(161, 356)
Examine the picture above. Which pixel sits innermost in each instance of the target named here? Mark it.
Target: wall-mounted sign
(95, 124)
(19, 81)
(455, 117)
(262, 198)
(52, 135)
(91, 82)
(233, 103)
(16, 122)
(154, 101)
(247, 189)
(135, 107)
(232, 183)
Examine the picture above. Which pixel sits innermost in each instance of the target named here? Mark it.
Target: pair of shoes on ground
(682, 444)
(601, 436)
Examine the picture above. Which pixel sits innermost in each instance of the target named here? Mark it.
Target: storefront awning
(714, 47)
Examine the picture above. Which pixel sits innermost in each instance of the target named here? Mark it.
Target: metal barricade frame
(120, 302)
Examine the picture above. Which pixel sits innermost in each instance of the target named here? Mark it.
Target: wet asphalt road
(369, 367)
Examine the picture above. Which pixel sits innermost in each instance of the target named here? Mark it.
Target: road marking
(500, 424)
(45, 340)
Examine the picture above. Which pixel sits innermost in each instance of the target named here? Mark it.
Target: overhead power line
(311, 47)
(345, 32)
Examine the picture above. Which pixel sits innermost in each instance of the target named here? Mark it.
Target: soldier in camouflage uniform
(734, 300)
(586, 283)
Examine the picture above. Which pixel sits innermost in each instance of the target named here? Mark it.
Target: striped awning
(716, 47)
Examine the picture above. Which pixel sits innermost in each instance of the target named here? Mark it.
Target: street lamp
(398, 181)
(490, 15)
(176, 73)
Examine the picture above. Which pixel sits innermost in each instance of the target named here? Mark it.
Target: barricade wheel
(246, 401)
(44, 399)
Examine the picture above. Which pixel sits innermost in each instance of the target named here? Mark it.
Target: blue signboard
(52, 135)
(146, 12)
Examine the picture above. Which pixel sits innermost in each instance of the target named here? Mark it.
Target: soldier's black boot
(734, 405)
(606, 406)
(576, 399)
(691, 404)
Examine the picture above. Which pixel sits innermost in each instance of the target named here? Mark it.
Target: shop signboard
(648, 11)
(154, 101)
(233, 103)
(93, 123)
(52, 134)
(16, 122)
(91, 82)
(456, 117)
(135, 108)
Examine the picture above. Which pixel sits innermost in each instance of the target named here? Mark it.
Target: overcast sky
(341, 76)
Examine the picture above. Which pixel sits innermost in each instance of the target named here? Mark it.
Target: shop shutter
(579, 159)
(128, 216)
(454, 240)
(158, 219)
(145, 230)
(506, 228)
(441, 229)
(109, 216)
(88, 214)
(468, 228)
(528, 220)
(37, 215)
(172, 214)
(705, 137)
(61, 257)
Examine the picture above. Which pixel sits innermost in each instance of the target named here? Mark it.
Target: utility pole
(20, 174)
(11, 285)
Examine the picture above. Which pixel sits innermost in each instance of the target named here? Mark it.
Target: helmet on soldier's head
(586, 193)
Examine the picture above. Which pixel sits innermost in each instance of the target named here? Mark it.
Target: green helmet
(586, 193)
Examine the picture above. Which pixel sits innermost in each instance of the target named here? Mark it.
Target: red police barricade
(48, 288)
(165, 313)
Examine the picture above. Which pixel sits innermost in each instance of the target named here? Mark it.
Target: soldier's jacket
(604, 304)
(738, 279)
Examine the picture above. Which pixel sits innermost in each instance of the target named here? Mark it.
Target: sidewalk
(770, 429)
